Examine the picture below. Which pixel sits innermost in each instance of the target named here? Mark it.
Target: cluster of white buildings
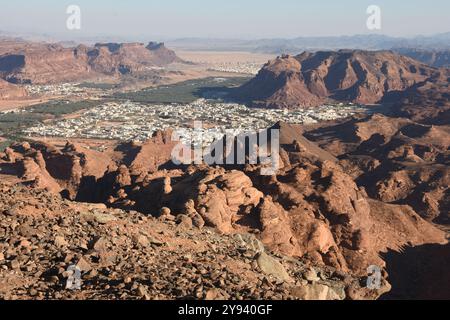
(132, 121)
(64, 89)
(237, 67)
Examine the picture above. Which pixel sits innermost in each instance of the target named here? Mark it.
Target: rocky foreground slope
(359, 195)
(312, 79)
(129, 255)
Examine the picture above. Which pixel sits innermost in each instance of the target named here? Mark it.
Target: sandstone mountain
(129, 57)
(52, 63)
(311, 79)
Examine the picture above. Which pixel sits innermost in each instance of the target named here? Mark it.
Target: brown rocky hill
(52, 63)
(311, 79)
(44, 63)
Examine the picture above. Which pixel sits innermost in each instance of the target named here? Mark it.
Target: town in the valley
(128, 121)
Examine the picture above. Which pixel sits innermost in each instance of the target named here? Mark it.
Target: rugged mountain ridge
(311, 79)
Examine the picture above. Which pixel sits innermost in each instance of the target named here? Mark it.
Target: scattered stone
(311, 275)
(128, 280)
(137, 258)
(14, 264)
(198, 221)
(272, 267)
(84, 265)
(100, 245)
(165, 212)
(60, 241)
(142, 240)
(184, 222)
(216, 294)
(317, 291)
(142, 292)
(99, 217)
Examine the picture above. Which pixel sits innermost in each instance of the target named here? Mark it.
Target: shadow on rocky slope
(419, 273)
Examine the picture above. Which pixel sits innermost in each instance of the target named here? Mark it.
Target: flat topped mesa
(34, 63)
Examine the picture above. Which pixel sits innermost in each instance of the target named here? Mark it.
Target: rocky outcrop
(46, 167)
(40, 64)
(311, 208)
(128, 58)
(426, 102)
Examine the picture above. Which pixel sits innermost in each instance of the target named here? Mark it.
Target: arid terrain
(351, 193)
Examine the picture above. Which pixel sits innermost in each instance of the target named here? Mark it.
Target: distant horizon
(80, 38)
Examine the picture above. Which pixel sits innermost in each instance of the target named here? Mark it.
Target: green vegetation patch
(101, 86)
(184, 92)
(12, 123)
(60, 108)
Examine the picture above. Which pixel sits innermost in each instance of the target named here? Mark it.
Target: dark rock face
(311, 79)
(419, 273)
(11, 63)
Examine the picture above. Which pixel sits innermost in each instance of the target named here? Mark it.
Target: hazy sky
(225, 18)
